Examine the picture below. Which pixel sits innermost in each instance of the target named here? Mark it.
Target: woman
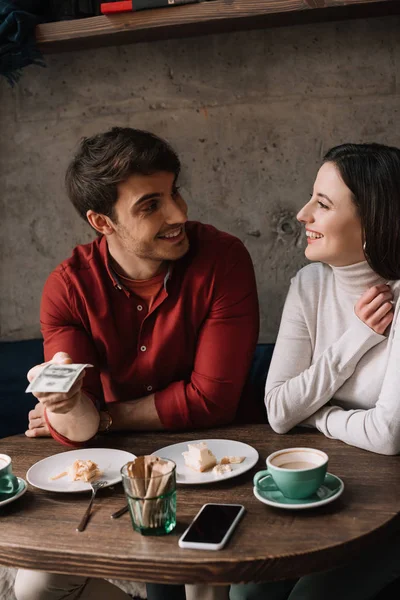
(336, 364)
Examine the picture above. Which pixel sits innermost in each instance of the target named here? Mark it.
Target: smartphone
(212, 526)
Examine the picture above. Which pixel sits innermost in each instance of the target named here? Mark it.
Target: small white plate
(21, 491)
(331, 489)
(219, 448)
(109, 461)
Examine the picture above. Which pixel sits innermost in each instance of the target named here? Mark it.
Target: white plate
(108, 460)
(21, 491)
(219, 448)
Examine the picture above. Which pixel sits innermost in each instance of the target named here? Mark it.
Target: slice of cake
(199, 457)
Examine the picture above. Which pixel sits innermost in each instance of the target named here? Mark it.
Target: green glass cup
(152, 503)
(297, 472)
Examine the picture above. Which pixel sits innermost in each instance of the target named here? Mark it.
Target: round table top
(38, 530)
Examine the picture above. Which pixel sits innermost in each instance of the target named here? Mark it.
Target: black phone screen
(212, 523)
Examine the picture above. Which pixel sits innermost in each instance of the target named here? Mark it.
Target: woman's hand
(375, 308)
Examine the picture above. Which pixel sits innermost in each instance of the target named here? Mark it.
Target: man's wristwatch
(105, 421)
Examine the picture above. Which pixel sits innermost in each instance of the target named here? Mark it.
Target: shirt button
(143, 348)
(139, 307)
(149, 388)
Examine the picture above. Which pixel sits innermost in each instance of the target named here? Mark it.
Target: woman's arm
(376, 429)
(295, 388)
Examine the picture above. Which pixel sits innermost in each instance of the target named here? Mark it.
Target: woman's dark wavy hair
(372, 173)
(107, 159)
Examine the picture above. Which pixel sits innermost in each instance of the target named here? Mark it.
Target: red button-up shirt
(193, 349)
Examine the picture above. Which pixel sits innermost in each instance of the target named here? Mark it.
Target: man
(164, 309)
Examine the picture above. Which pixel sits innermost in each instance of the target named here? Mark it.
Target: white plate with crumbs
(221, 449)
(108, 460)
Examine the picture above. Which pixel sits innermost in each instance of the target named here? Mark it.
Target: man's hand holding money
(56, 402)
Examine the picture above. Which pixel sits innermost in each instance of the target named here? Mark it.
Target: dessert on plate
(232, 460)
(199, 457)
(221, 469)
(80, 470)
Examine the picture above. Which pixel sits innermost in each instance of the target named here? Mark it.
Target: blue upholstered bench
(16, 358)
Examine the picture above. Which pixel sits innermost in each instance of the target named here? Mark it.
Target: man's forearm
(135, 415)
(79, 424)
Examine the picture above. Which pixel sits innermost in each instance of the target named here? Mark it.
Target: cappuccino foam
(299, 465)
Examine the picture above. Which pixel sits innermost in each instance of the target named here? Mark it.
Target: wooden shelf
(199, 19)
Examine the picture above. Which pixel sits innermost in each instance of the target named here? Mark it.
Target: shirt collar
(113, 275)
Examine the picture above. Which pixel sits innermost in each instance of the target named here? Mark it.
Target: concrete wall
(250, 113)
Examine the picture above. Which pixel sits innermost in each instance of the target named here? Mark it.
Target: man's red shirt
(193, 349)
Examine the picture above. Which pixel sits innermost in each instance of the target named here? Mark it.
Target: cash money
(57, 378)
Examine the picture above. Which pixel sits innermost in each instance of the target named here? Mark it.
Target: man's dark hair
(107, 159)
(372, 173)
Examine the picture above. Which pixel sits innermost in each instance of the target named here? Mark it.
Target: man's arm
(74, 415)
(140, 414)
(79, 424)
(70, 415)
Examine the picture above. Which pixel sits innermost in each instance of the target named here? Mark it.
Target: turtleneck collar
(356, 279)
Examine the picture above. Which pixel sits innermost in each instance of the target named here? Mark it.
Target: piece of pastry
(232, 460)
(221, 469)
(199, 457)
(80, 470)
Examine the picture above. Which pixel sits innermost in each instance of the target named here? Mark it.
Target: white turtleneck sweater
(329, 369)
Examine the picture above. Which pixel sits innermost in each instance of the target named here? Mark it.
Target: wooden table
(38, 530)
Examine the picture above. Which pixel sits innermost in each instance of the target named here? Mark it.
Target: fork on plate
(95, 487)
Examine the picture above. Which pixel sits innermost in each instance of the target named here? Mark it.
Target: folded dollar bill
(56, 378)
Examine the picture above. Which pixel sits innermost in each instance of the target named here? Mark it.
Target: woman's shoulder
(312, 276)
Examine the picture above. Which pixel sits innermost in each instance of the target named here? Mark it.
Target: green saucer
(331, 489)
(22, 487)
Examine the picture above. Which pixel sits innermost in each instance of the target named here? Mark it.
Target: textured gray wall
(250, 113)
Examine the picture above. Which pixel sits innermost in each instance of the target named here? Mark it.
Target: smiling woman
(336, 361)
(335, 345)
(333, 225)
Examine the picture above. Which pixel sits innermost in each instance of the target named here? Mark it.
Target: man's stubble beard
(145, 253)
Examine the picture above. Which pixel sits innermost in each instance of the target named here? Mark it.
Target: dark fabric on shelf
(18, 19)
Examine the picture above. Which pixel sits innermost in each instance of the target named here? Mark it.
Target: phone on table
(212, 526)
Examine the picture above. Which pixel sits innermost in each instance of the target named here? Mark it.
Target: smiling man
(164, 309)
